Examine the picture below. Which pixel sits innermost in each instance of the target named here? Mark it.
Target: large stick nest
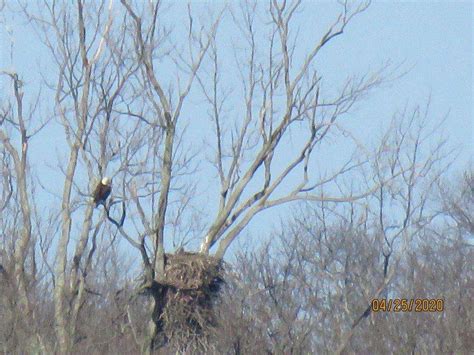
(187, 271)
(191, 284)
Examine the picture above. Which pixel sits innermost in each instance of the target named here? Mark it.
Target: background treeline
(302, 291)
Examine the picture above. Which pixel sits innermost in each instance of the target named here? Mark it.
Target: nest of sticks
(191, 284)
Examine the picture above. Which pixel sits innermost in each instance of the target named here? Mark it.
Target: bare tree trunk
(61, 290)
(22, 245)
(66, 317)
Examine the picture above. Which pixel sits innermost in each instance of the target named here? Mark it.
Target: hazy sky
(432, 39)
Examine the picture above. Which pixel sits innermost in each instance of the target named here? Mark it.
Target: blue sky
(432, 39)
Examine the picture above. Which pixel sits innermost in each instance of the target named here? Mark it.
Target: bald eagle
(102, 191)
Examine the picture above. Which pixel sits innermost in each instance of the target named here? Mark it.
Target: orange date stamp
(407, 305)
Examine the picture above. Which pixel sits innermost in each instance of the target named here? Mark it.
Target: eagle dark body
(102, 191)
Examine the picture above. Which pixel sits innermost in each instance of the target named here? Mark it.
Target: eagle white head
(106, 181)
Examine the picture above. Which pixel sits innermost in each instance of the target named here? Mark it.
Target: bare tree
(19, 157)
(268, 121)
(309, 287)
(19, 273)
(88, 81)
(266, 125)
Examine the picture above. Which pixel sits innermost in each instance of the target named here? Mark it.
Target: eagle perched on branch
(102, 191)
